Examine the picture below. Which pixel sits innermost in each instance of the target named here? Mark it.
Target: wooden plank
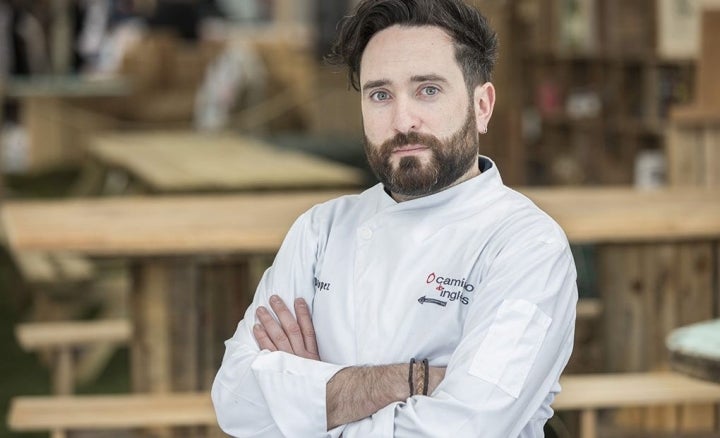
(588, 423)
(34, 336)
(619, 278)
(153, 225)
(708, 88)
(35, 266)
(150, 351)
(625, 329)
(589, 308)
(73, 267)
(228, 285)
(183, 316)
(695, 267)
(711, 139)
(697, 174)
(257, 223)
(614, 390)
(660, 277)
(63, 374)
(186, 161)
(685, 155)
(110, 412)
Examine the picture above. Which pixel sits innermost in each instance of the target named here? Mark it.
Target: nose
(404, 117)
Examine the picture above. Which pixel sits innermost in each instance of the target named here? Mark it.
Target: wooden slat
(589, 308)
(257, 223)
(73, 267)
(696, 305)
(35, 267)
(39, 267)
(604, 391)
(151, 345)
(33, 336)
(110, 412)
(186, 161)
(157, 225)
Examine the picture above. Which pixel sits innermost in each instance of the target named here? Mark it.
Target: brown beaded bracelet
(426, 379)
(410, 377)
(419, 378)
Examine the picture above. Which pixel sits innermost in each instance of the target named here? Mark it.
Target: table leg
(183, 310)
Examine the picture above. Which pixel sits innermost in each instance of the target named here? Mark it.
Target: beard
(450, 159)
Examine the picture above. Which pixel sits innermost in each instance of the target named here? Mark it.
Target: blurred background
(165, 99)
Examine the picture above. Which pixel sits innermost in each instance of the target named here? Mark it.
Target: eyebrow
(429, 78)
(417, 78)
(375, 84)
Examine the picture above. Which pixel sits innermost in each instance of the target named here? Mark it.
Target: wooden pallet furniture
(584, 393)
(589, 393)
(56, 283)
(693, 147)
(62, 339)
(188, 162)
(188, 293)
(60, 414)
(50, 268)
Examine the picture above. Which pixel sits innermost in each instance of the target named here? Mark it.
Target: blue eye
(380, 96)
(430, 90)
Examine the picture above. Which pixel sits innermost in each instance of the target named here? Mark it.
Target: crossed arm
(353, 393)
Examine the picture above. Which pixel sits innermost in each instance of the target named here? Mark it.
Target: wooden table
(189, 279)
(184, 161)
(56, 119)
(657, 251)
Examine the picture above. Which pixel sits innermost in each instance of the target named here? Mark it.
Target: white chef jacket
(475, 278)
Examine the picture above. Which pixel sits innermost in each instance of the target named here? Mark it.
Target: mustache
(403, 139)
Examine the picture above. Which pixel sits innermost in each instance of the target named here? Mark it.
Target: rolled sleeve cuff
(380, 424)
(294, 389)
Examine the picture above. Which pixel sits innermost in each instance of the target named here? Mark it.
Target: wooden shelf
(625, 86)
(560, 55)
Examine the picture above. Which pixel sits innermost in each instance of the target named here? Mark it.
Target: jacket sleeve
(271, 394)
(502, 377)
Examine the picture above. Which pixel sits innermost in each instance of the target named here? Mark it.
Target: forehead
(400, 52)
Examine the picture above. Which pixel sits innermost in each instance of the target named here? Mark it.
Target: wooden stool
(61, 338)
(589, 393)
(110, 412)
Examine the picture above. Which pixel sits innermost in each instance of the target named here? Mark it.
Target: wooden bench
(43, 268)
(57, 283)
(109, 412)
(62, 338)
(588, 393)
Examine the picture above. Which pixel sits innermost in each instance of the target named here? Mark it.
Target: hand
(294, 336)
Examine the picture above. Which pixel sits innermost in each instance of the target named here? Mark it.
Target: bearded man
(438, 303)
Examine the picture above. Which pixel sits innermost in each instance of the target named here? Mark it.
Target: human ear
(483, 103)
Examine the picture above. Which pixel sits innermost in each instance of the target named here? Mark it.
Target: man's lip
(410, 148)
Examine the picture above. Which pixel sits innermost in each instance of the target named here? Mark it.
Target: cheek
(375, 126)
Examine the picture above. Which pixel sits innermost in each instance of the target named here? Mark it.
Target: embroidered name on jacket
(450, 288)
(321, 285)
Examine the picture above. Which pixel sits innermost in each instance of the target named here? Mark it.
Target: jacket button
(365, 233)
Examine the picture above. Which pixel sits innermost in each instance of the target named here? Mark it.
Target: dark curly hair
(475, 42)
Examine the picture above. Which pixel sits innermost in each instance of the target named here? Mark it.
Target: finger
(275, 332)
(304, 319)
(289, 324)
(262, 338)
